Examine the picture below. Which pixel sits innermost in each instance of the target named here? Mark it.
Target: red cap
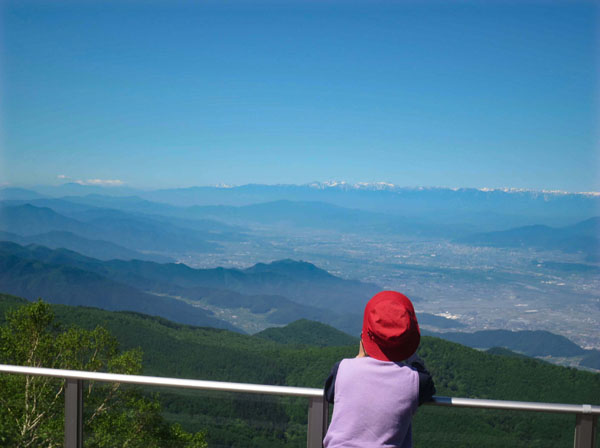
(390, 329)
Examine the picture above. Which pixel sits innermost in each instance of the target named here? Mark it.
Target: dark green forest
(292, 358)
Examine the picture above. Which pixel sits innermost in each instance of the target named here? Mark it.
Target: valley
(482, 287)
(267, 255)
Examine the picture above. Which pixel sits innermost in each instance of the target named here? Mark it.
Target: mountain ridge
(103, 250)
(73, 286)
(132, 232)
(514, 206)
(583, 236)
(285, 288)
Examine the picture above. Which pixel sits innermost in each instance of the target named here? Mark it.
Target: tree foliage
(240, 420)
(32, 407)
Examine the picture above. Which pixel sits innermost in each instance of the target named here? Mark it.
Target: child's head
(390, 329)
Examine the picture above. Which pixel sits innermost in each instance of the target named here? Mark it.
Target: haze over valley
(470, 259)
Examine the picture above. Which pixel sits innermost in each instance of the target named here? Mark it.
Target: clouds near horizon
(95, 182)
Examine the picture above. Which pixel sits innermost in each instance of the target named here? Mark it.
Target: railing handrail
(165, 381)
(288, 390)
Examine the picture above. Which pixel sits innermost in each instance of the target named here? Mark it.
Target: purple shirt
(374, 404)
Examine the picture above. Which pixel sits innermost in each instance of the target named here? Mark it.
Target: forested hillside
(306, 332)
(179, 350)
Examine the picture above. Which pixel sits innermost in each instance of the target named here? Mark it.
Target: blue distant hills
(115, 248)
(137, 228)
(581, 237)
(496, 209)
(282, 291)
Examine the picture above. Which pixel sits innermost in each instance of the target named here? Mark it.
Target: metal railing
(318, 408)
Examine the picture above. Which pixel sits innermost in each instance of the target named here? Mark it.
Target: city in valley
(481, 287)
(469, 259)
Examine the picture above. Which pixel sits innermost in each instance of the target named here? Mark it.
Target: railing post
(73, 413)
(585, 431)
(318, 413)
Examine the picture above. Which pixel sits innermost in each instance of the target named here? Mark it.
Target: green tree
(32, 407)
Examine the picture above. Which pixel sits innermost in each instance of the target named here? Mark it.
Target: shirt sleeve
(330, 383)
(426, 385)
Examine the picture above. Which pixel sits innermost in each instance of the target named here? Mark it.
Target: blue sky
(168, 94)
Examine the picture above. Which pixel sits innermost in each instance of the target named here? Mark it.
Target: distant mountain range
(78, 188)
(537, 344)
(530, 343)
(377, 186)
(581, 237)
(281, 291)
(115, 227)
(59, 283)
(103, 250)
(277, 293)
(107, 233)
(120, 243)
(155, 228)
(493, 208)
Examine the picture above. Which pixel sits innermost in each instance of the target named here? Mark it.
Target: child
(376, 393)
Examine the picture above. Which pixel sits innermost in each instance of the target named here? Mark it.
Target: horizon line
(322, 185)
